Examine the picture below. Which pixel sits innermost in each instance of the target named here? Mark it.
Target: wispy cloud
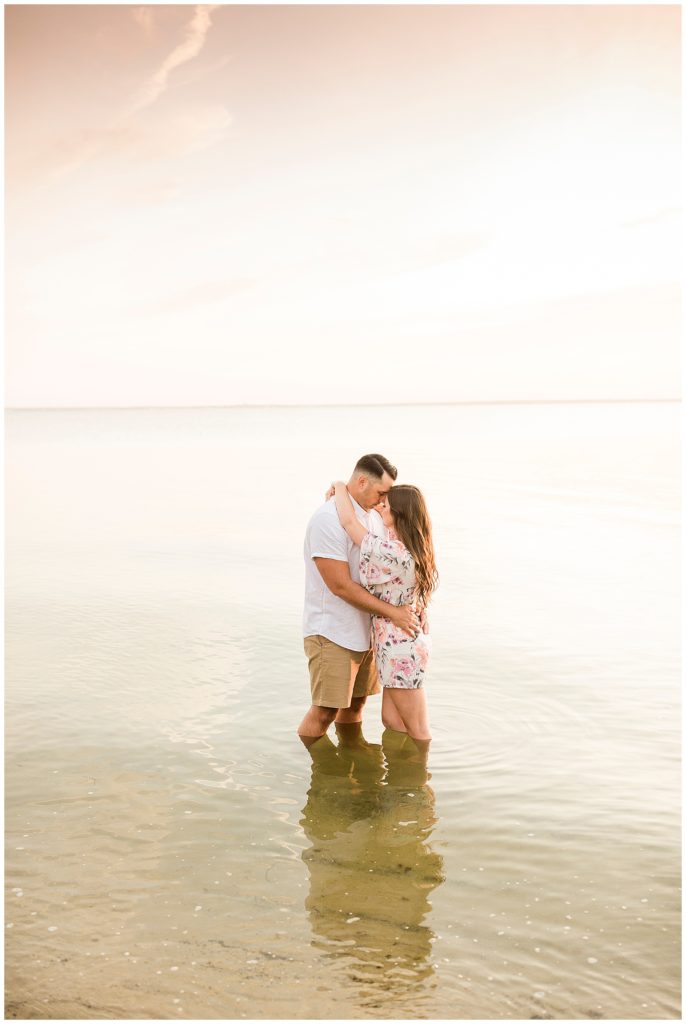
(151, 192)
(177, 133)
(663, 214)
(127, 134)
(202, 295)
(144, 17)
(196, 33)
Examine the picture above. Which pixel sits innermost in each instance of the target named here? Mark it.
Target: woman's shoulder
(394, 539)
(390, 546)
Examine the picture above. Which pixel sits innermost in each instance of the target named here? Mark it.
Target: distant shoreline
(346, 405)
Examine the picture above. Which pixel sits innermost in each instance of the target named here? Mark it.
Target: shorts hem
(398, 686)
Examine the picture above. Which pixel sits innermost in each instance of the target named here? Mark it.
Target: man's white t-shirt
(325, 614)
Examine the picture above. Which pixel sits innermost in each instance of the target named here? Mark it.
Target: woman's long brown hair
(413, 526)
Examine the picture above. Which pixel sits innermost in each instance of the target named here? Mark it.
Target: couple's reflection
(369, 816)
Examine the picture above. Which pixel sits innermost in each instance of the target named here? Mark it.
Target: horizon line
(341, 405)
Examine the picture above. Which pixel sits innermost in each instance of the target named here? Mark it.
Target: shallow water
(174, 851)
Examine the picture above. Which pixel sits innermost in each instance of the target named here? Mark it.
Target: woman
(400, 569)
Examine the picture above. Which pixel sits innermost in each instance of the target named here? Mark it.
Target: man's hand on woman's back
(405, 617)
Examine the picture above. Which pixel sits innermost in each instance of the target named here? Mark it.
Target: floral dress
(387, 572)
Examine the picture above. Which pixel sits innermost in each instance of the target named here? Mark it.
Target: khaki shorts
(337, 674)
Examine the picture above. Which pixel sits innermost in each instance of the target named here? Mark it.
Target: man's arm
(336, 576)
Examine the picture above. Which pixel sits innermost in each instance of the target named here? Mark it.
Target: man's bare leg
(349, 734)
(347, 716)
(315, 723)
(322, 750)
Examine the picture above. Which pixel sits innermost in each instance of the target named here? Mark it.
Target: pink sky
(221, 204)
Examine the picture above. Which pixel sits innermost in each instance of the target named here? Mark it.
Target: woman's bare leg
(417, 752)
(389, 713)
(412, 710)
(392, 742)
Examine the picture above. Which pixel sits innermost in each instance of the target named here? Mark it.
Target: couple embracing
(369, 575)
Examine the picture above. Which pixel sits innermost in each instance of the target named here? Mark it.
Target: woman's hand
(342, 486)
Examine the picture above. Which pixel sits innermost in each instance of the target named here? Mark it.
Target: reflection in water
(369, 816)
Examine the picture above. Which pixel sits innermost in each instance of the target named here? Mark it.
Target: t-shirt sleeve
(328, 540)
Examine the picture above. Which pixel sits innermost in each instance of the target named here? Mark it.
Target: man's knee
(316, 721)
(324, 715)
(357, 703)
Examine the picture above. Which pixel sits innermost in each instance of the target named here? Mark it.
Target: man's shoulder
(326, 512)
(325, 537)
(325, 518)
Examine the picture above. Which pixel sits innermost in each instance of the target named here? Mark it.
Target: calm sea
(174, 851)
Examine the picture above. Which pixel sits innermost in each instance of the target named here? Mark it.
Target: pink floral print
(387, 571)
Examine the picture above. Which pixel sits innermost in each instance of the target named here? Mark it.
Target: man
(336, 621)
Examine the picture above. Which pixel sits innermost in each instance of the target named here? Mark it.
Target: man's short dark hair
(376, 466)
